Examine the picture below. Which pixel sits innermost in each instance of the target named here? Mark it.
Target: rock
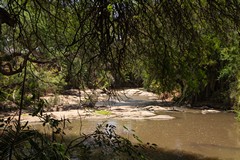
(155, 108)
(205, 111)
(204, 107)
(161, 117)
(153, 98)
(175, 109)
(134, 113)
(145, 113)
(148, 94)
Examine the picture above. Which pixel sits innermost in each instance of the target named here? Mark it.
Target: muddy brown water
(211, 135)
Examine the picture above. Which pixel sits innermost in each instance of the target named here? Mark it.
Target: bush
(103, 143)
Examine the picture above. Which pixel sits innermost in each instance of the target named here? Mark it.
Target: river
(211, 135)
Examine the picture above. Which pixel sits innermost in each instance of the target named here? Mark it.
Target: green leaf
(110, 8)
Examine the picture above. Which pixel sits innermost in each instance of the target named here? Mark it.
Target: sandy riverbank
(128, 104)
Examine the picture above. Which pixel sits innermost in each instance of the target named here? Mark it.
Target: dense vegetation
(185, 46)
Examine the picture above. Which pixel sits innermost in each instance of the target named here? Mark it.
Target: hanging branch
(22, 98)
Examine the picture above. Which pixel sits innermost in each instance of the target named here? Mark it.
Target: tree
(177, 44)
(183, 45)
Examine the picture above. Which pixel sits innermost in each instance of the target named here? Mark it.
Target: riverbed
(205, 131)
